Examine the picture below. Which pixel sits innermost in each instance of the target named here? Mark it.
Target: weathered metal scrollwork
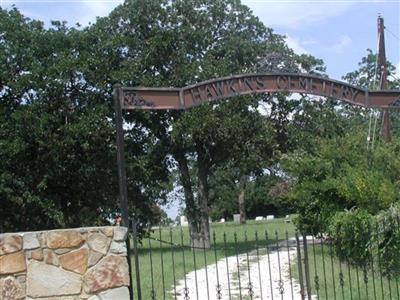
(396, 103)
(219, 292)
(281, 288)
(341, 279)
(250, 288)
(365, 273)
(186, 293)
(132, 99)
(316, 281)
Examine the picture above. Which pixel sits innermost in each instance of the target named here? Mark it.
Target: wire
(369, 130)
(373, 136)
(392, 34)
(394, 77)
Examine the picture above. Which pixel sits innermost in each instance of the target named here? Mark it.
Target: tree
(162, 43)
(326, 181)
(58, 166)
(365, 75)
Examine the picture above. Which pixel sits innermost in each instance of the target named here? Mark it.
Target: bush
(387, 240)
(357, 237)
(314, 216)
(350, 233)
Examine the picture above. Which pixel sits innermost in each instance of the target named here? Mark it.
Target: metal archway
(148, 98)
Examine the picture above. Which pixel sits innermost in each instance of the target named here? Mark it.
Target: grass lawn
(328, 269)
(159, 262)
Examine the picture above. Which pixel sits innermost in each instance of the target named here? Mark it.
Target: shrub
(387, 240)
(350, 234)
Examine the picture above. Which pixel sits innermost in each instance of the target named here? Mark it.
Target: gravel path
(265, 281)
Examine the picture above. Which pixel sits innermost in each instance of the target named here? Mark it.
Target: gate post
(123, 191)
(136, 255)
(306, 267)
(300, 267)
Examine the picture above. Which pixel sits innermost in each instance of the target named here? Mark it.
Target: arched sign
(227, 87)
(131, 98)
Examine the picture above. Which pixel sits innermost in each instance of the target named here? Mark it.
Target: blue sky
(338, 31)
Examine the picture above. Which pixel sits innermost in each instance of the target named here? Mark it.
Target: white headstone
(270, 217)
(209, 220)
(222, 220)
(236, 218)
(183, 221)
(259, 218)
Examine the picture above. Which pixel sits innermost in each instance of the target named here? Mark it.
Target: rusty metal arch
(150, 98)
(227, 87)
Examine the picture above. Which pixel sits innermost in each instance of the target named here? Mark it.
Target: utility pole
(381, 74)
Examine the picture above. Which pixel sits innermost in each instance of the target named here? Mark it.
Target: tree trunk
(197, 227)
(202, 239)
(191, 207)
(196, 213)
(241, 200)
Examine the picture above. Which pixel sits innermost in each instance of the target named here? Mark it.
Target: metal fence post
(306, 267)
(128, 250)
(136, 255)
(300, 267)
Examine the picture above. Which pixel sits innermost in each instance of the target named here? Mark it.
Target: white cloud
(295, 14)
(74, 11)
(93, 9)
(296, 45)
(397, 74)
(342, 43)
(309, 42)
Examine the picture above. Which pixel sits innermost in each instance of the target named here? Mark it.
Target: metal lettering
(303, 83)
(132, 99)
(345, 91)
(333, 90)
(290, 83)
(219, 88)
(324, 87)
(278, 82)
(354, 93)
(196, 95)
(312, 87)
(209, 94)
(248, 82)
(230, 86)
(145, 98)
(260, 83)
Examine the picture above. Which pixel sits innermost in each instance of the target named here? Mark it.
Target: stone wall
(82, 263)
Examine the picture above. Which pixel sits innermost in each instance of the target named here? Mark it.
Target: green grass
(328, 268)
(201, 256)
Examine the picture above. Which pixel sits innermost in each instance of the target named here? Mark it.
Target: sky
(337, 31)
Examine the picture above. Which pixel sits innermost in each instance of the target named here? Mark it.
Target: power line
(392, 34)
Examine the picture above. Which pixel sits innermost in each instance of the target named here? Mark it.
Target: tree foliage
(341, 170)
(58, 166)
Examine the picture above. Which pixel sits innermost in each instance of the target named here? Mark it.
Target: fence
(263, 260)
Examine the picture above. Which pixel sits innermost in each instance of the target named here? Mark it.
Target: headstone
(259, 218)
(236, 218)
(222, 220)
(183, 221)
(270, 217)
(209, 220)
